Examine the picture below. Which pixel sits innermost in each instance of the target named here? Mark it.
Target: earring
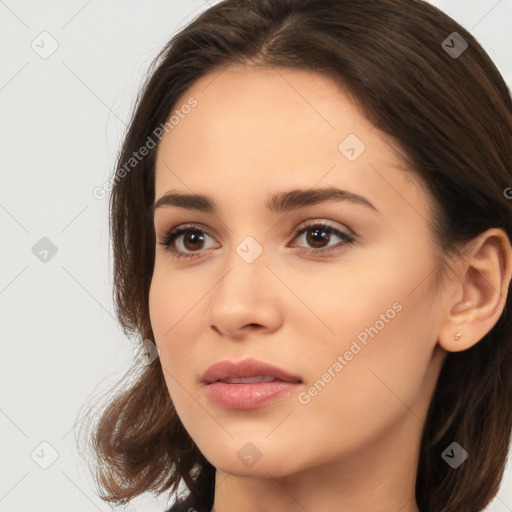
(457, 336)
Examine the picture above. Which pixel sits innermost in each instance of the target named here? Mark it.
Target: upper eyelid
(311, 223)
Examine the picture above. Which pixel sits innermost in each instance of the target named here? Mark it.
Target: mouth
(250, 380)
(248, 384)
(246, 371)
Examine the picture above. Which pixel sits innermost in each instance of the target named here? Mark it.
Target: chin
(246, 459)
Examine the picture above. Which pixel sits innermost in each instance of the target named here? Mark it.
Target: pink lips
(248, 395)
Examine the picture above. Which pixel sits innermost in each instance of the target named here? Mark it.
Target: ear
(480, 291)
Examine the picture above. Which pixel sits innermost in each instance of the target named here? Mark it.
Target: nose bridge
(246, 268)
(243, 296)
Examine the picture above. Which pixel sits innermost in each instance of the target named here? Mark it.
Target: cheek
(378, 382)
(384, 333)
(165, 314)
(176, 310)
(173, 299)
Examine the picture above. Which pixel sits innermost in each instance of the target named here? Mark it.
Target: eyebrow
(279, 203)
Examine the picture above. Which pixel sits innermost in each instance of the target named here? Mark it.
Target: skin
(256, 132)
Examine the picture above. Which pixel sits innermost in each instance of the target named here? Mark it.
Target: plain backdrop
(69, 74)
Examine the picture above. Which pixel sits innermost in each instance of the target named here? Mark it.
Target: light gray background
(61, 123)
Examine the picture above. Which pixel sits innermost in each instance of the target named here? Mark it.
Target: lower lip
(249, 396)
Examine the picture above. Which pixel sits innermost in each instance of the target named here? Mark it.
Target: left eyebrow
(279, 203)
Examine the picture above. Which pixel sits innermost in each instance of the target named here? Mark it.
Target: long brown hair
(452, 117)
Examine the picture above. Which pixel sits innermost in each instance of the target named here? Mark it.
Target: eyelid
(179, 230)
(322, 222)
(169, 237)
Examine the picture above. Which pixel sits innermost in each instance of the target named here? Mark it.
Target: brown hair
(452, 118)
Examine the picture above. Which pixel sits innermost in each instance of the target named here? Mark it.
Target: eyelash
(174, 233)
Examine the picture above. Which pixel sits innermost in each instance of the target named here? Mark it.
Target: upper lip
(246, 368)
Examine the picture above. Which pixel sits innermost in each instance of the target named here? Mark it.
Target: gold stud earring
(457, 336)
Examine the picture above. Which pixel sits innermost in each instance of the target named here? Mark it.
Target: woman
(315, 234)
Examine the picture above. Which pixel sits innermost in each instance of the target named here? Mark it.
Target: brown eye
(184, 241)
(189, 241)
(193, 240)
(318, 236)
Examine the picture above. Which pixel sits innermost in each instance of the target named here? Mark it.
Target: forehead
(263, 109)
(267, 129)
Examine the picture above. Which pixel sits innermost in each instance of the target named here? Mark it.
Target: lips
(248, 384)
(238, 372)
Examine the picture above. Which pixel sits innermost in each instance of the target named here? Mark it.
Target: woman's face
(356, 324)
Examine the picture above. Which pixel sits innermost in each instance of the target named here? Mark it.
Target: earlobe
(455, 334)
(485, 276)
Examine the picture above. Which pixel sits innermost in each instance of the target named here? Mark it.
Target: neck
(381, 476)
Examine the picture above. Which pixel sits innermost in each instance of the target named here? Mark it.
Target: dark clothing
(185, 506)
(203, 501)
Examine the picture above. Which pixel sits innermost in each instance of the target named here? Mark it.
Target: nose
(246, 299)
